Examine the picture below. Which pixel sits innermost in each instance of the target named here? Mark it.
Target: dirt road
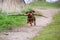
(28, 32)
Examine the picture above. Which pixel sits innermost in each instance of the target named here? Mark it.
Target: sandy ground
(27, 32)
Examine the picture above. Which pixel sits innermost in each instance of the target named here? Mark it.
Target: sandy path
(28, 32)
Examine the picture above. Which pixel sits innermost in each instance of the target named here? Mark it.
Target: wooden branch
(27, 15)
(18, 15)
(40, 15)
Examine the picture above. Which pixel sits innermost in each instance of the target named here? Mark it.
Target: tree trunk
(10, 5)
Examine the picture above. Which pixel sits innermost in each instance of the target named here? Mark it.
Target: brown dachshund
(31, 18)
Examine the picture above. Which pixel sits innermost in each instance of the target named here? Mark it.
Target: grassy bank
(8, 22)
(52, 31)
(45, 4)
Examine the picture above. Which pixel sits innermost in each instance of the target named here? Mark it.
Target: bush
(8, 22)
(45, 4)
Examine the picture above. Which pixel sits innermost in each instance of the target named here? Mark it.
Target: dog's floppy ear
(32, 11)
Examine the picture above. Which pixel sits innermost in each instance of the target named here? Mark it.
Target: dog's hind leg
(34, 23)
(34, 20)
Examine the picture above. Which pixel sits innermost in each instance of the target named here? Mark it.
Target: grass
(52, 31)
(8, 22)
(45, 4)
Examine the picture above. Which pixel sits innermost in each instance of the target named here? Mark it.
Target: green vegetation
(45, 4)
(8, 22)
(52, 31)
